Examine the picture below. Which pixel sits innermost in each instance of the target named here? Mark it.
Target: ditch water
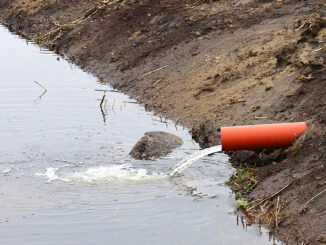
(66, 176)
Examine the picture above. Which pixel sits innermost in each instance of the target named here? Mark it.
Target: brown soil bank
(212, 63)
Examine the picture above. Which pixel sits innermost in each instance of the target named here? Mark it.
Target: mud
(211, 63)
(206, 135)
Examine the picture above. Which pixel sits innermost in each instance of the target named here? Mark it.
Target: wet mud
(207, 64)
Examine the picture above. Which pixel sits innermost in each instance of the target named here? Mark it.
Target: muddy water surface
(66, 176)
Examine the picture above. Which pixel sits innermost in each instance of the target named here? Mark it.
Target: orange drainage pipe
(260, 136)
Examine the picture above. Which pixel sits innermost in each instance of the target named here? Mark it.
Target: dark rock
(206, 135)
(155, 144)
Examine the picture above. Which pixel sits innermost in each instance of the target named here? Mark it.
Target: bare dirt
(207, 64)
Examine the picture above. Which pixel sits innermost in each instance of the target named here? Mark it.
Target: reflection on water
(66, 175)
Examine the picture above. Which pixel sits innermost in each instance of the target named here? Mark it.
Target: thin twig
(150, 72)
(109, 90)
(105, 102)
(300, 27)
(276, 212)
(157, 82)
(41, 85)
(267, 198)
(310, 200)
(320, 48)
(104, 95)
(153, 84)
(237, 101)
(130, 102)
(256, 117)
(177, 121)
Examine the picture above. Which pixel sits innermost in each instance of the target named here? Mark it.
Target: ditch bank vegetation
(207, 64)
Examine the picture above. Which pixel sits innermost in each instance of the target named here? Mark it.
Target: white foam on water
(103, 174)
(182, 165)
(111, 173)
(123, 172)
(7, 170)
(50, 174)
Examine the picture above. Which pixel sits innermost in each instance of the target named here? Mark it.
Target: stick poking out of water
(193, 157)
(104, 95)
(45, 90)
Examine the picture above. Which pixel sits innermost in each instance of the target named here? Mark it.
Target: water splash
(103, 174)
(193, 157)
(124, 172)
(50, 174)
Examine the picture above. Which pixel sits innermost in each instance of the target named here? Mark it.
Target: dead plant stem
(271, 196)
(311, 199)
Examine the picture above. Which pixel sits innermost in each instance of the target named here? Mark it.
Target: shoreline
(205, 68)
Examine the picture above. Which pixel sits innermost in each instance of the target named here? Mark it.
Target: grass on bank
(243, 181)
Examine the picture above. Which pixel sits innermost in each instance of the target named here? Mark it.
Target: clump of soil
(211, 63)
(206, 135)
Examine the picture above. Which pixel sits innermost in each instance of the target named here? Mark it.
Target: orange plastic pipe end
(260, 136)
